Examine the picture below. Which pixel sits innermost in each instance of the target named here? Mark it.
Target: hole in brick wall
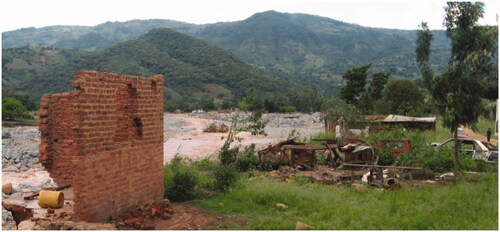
(55, 140)
(138, 126)
(153, 85)
(132, 92)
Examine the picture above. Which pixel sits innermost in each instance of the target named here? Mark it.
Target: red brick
(90, 141)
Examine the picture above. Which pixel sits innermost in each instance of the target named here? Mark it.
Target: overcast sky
(400, 14)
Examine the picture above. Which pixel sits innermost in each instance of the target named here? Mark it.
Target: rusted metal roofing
(398, 118)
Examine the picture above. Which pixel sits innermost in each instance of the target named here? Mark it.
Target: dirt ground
(472, 135)
(189, 217)
(191, 142)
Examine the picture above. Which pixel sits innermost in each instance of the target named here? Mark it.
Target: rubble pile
(20, 148)
(8, 222)
(151, 209)
(217, 127)
(296, 120)
(174, 124)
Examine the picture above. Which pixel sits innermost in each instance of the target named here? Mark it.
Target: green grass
(461, 206)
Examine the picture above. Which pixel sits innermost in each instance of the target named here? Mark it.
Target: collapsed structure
(106, 140)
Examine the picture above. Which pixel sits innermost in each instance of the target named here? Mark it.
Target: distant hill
(299, 47)
(192, 68)
(87, 38)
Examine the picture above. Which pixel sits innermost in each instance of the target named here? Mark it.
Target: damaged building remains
(106, 140)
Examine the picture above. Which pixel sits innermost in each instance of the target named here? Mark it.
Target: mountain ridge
(192, 68)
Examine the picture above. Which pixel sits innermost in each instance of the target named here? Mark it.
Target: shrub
(180, 180)
(225, 177)
(228, 155)
(205, 164)
(247, 160)
(384, 157)
(288, 109)
(183, 186)
(440, 160)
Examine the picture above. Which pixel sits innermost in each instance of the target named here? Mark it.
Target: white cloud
(403, 14)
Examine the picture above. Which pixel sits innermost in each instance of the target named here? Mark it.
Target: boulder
(302, 226)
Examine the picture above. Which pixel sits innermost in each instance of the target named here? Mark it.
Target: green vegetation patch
(464, 206)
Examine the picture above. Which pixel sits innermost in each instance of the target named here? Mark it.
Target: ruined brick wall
(106, 140)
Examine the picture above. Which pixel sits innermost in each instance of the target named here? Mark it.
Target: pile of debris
(20, 148)
(295, 120)
(217, 127)
(150, 210)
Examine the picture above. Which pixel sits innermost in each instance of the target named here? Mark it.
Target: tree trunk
(457, 164)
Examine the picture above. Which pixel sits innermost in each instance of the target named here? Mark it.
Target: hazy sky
(402, 14)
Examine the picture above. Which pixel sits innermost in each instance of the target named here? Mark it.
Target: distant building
(377, 123)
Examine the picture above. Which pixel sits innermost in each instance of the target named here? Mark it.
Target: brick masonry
(106, 140)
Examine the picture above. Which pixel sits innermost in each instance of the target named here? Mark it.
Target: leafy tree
(207, 103)
(459, 89)
(377, 84)
(12, 108)
(356, 82)
(248, 101)
(404, 97)
(308, 100)
(25, 99)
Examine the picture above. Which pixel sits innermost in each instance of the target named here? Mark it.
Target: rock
(358, 186)
(166, 216)
(302, 226)
(281, 206)
(7, 188)
(132, 221)
(26, 225)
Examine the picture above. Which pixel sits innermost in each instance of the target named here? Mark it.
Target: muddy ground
(184, 136)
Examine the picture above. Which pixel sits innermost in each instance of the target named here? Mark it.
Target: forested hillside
(300, 47)
(194, 70)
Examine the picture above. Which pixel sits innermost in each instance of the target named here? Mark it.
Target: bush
(247, 160)
(441, 160)
(228, 155)
(183, 186)
(288, 109)
(384, 158)
(180, 180)
(225, 177)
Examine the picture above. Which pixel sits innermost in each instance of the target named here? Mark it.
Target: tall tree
(459, 89)
(404, 97)
(377, 84)
(355, 86)
(308, 100)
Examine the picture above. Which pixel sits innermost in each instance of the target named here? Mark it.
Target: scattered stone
(166, 216)
(358, 186)
(8, 222)
(26, 225)
(132, 221)
(302, 226)
(281, 206)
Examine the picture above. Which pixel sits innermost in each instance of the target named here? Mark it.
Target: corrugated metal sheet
(399, 118)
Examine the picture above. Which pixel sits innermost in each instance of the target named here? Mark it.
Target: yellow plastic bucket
(53, 199)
